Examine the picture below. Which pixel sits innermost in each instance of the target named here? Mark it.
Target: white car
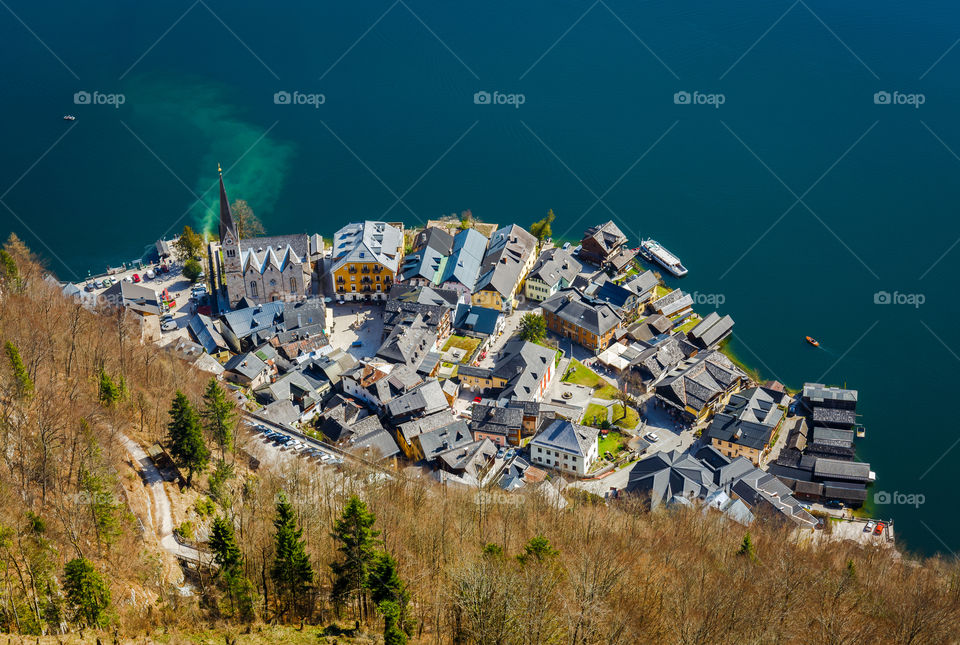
(652, 436)
(170, 325)
(869, 527)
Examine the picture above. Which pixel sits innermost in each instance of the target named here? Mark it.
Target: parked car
(98, 284)
(356, 343)
(136, 277)
(149, 275)
(501, 452)
(652, 437)
(834, 504)
(89, 287)
(170, 325)
(477, 399)
(127, 279)
(879, 529)
(869, 527)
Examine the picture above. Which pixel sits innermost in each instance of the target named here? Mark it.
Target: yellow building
(366, 256)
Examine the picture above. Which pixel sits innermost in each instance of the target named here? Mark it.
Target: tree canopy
(186, 440)
(533, 328)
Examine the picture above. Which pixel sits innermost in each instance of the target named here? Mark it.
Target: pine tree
(186, 440)
(219, 416)
(227, 555)
(291, 571)
(746, 547)
(533, 328)
(87, 591)
(393, 634)
(358, 548)
(22, 382)
(385, 586)
(537, 548)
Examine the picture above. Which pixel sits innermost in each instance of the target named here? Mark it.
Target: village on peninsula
(489, 357)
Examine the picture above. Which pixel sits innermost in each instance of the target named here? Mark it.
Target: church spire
(226, 217)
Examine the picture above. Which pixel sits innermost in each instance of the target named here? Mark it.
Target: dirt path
(160, 517)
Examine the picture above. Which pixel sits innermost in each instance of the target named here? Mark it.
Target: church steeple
(227, 226)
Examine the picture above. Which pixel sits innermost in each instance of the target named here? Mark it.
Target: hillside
(591, 573)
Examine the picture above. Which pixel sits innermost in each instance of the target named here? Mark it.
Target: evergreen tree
(219, 416)
(9, 273)
(385, 586)
(533, 328)
(393, 634)
(542, 229)
(357, 544)
(291, 571)
(227, 555)
(87, 591)
(23, 384)
(746, 547)
(186, 440)
(538, 548)
(111, 392)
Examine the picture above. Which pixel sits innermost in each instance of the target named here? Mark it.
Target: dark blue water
(598, 137)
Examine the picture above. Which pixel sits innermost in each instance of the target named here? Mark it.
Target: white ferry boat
(652, 250)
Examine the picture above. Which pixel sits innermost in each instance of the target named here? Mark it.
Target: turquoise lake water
(813, 169)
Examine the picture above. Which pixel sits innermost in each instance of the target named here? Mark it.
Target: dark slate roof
(434, 238)
(250, 320)
(835, 469)
(748, 419)
(423, 295)
(641, 284)
(523, 364)
(566, 436)
(831, 415)
(669, 474)
(408, 344)
(307, 313)
(697, 380)
(608, 235)
(417, 427)
(480, 320)
(572, 306)
(247, 365)
(452, 435)
(493, 419)
(422, 400)
(374, 444)
(469, 458)
(299, 244)
(203, 330)
(463, 265)
(399, 312)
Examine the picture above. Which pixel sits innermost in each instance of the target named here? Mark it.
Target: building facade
(366, 257)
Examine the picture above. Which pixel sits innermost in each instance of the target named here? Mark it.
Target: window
(253, 289)
(231, 253)
(293, 284)
(273, 283)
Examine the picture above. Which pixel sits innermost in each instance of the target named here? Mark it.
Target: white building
(566, 446)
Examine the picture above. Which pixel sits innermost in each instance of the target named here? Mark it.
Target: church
(265, 269)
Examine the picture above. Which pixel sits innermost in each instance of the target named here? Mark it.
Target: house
(500, 425)
(622, 300)
(462, 267)
(366, 258)
(470, 462)
(509, 258)
(675, 304)
(555, 269)
(601, 244)
(340, 418)
(411, 344)
(264, 269)
(566, 446)
(246, 327)
(429, 445)
(655, 361)
(700, 386)
(205, 332)
(642, 285)
(677, 477)
(247, 369)
(376, 383)
(746, 426)
(406, 433)
(522, 371)
(832, 443)
(134, 297)
(423, 400)
(478, 322)
(402, 313)
(306, 387)
(404, 293)
(711, 331)
(590, 323)
(372, 443)
(422, 267)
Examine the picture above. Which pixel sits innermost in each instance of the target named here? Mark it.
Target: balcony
(365, 270)
(352, 269)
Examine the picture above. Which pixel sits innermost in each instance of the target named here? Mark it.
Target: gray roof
(831, 415)
(202, 328)
(463, 265)
(566, 436)
(435, 238)
(423, 400)
(374, 444)
(711, 330)
(748, 419)
(510, 248)
(368, 241)
(819, 393)
(696, 381)
(452, 435)
(572, 306)
(417, 427)
(250, 320)
(669, 474)
(477, 319)
(608, 235)
(408, 343)
(469, 458)
(493, 419)
(247, 365)
(641, 284)
(423, 295)
(556, 266)
(523, 364)
(837, 469)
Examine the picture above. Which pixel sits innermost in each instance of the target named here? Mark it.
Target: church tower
(229, 238)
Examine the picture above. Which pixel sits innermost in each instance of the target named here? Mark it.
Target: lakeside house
(422, 267)
(462, 268)
(700, 386)
(747, 425)
(601, 244)
(509, 258)
(366, 258)
(555, 269)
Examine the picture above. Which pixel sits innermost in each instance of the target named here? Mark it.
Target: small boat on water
(651, 249)
(69, 117)
(813, 341)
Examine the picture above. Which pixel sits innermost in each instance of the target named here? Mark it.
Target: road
(160, 511)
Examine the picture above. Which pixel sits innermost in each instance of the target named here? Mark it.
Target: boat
(813, 341)
(69, 117)
(653, 250)
(861, 431)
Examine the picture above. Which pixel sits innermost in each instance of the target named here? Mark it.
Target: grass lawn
(469, 345)
(614, 442)
(594, 411)
(660, 291)
(580, 374)
(629, 422)
(690, 324)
